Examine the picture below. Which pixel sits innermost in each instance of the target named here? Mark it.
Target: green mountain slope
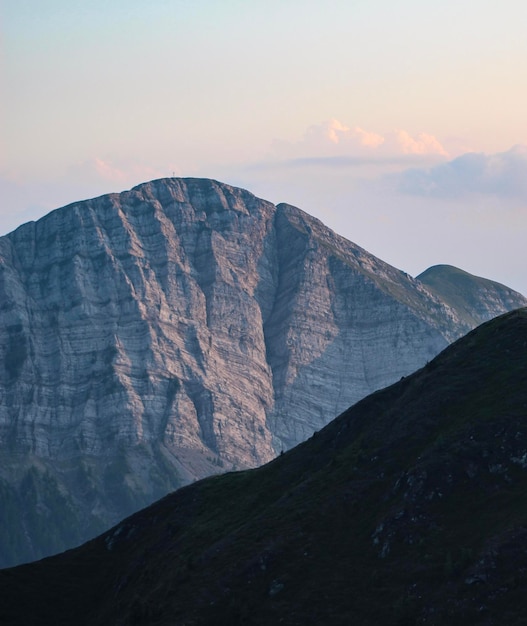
(409, 508)
(180, 329)
(474, 299)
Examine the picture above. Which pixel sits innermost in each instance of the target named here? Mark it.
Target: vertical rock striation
(152, 337)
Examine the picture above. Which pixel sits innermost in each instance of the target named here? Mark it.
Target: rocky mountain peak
(186, 327)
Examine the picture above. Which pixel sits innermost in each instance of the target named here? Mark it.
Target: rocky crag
(179, 329)
(409, 508)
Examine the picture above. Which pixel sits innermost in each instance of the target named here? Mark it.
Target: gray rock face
(186, 327)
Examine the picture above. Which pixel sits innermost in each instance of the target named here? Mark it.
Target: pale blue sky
(326, 105)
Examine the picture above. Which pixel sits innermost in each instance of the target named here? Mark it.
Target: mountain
(409, 508)
(183, 328)
(474, 298)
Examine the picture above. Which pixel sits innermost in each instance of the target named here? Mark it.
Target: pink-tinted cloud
(120, 174)
(339, 133)
(334, 138)
(25, 198)
(333, 130)
(107, 171)
(422, 144)
(372, 140)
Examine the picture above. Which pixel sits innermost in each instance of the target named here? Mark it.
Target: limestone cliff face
(152, 337)
(133, 318)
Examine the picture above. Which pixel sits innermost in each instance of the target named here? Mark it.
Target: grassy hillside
(409, 508)
(475, 299)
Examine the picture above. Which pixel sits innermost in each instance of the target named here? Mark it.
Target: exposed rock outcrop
(409, 508)
(155, 336)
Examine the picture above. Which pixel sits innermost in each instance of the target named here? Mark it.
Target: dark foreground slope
(409, 508)
(180, 329)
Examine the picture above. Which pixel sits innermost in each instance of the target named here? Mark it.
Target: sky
(401, 125)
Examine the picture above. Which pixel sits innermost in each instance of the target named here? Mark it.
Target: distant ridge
(409, 508)
(179, 329)
(474, 298)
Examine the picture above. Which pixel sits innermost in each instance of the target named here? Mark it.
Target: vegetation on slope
(474, 299)
(409, 508)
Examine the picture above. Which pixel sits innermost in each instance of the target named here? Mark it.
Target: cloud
(377, 164)
(372, 140)
(333, 130)
(333, 138)
(502, 175)
(338, 133)
(104, 171)
(423, 144)
(25, 199)
(108, 171)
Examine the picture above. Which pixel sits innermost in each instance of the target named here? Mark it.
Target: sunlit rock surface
(186, 327)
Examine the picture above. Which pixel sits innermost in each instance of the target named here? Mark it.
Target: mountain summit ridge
(473, 297)
(183, 328)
